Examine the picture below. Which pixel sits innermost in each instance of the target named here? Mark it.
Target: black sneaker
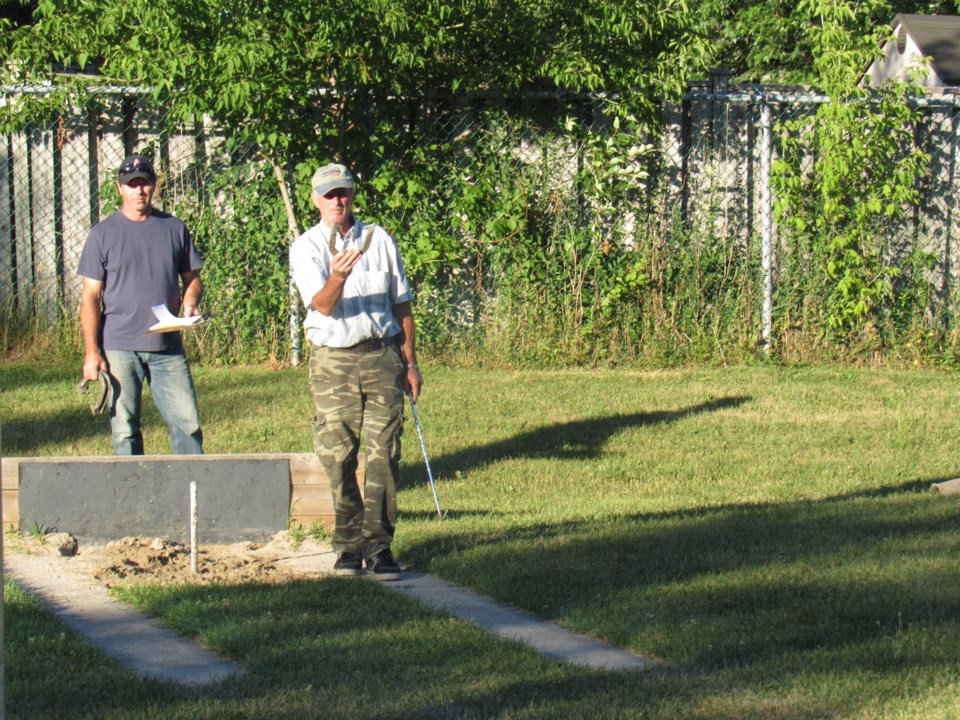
(382, 566)
(348, 564)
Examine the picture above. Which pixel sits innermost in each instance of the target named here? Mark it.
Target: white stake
(193, 526)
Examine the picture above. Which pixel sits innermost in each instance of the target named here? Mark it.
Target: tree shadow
(577, 440)
(786, 588)
(26, 429)
(24, 435)
(308, 635)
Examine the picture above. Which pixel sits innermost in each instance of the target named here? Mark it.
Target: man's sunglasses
(135, 165)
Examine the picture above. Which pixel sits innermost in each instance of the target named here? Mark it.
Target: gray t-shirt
(140, 264)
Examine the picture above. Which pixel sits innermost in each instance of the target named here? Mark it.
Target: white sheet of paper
(167, 321)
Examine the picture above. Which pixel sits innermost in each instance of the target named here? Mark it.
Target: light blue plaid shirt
(376, 284)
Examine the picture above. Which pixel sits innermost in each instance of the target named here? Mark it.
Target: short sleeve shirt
(376, 284)
(139, 264)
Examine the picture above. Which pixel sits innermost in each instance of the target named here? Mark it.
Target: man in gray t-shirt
(134, 259)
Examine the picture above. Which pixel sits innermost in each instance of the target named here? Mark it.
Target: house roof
(938, 37)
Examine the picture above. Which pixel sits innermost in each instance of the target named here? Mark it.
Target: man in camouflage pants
(363, 358)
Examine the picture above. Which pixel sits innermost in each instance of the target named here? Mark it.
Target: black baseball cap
(136, 166)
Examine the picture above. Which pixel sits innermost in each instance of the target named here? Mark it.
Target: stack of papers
(168, 322)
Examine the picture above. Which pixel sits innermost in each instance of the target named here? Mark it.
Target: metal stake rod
(426, 460)
(193, 526)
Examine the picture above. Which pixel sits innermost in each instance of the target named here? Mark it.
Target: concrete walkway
(550, 639)
(131, 638)
(139, 643)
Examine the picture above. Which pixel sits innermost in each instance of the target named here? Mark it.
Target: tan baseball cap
(332, 177)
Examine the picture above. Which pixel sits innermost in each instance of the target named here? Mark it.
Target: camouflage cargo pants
(359, 396)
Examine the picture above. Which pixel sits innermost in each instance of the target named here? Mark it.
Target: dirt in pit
(145, 560)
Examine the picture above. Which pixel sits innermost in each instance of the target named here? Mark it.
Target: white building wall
(898, 63)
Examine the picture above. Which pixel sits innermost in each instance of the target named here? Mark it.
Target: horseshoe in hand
(367, 236)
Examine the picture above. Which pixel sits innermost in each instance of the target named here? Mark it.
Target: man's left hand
(413, 382)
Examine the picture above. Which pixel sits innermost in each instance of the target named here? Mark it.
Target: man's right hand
(344, 261)
(341, 265)
(93, 363)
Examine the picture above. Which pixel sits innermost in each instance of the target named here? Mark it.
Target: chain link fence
(543, 188)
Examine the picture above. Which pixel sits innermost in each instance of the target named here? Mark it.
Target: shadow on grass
(339, 648)
(51, 673)
(28, 374)
(26, 427)
(766, 610)
(860, 580)
(249, 395)
(22, 437)
(577, 440)
(333, 649)
(802, 596)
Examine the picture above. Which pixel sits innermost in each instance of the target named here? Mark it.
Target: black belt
(371, 345)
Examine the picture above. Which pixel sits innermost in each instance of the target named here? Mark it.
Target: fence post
(766, 221)
(719, 88)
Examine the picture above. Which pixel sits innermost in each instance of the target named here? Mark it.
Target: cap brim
(125, 179)
(322, 190)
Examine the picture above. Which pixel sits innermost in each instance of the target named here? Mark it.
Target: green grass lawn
(769, 533)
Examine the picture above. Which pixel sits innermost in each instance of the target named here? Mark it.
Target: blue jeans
(171, 385)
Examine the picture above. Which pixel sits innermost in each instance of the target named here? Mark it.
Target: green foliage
(531, 243)
(844, 178)
(307, 82)
(318, 532)
(297, 534)
(241, 232)
(38, 531)
(527, 240)
(767, 40)
(238, 62)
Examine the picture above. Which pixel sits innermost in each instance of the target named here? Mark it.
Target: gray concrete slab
(132, 639)
(97, 500)
(948, 487)
(548, 638)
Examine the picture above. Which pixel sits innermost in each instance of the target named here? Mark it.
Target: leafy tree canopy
(770, 41)
(269, 59)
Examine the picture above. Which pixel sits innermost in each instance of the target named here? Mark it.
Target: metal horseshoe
(367, 237)
(332, 241)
